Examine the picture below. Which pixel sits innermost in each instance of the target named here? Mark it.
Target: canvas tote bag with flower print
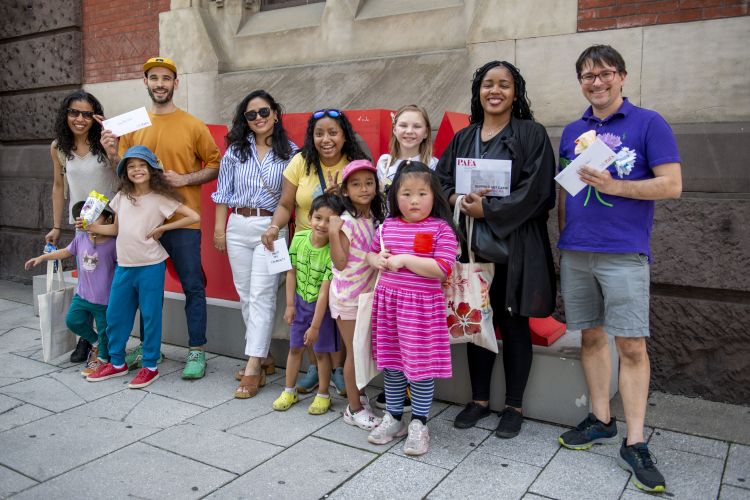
(467, 294)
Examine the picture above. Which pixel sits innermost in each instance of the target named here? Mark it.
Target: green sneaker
(195, 365)
(134, 358)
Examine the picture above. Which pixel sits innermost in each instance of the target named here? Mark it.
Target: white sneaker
(418, 440)
(388, 430)
(364, 419)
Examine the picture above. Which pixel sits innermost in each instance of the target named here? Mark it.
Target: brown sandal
(252, 383)
(269, 369)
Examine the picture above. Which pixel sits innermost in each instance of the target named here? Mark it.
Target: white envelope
(597, 156)
(278, 260)
(127, 122)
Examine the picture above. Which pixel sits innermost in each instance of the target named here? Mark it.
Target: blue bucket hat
(141, 152)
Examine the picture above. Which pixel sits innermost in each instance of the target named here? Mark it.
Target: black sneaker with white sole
(590, 432)
(380, 401)
(639, 461)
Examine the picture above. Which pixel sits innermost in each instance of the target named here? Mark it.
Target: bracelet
(53, 227)
(278, 229)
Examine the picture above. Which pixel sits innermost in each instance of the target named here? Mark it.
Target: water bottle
(48, 248)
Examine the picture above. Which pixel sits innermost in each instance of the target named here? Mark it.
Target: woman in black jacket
(503, 128)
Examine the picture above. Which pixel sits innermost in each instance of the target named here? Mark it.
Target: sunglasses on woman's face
(75, 113)
(333, 113)
(252, 114)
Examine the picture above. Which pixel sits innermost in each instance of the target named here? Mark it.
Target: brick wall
(118, 37)
(596, 15)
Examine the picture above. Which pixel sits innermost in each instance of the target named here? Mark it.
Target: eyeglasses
(252, 114)
(605, 77)
(75, 113)
(333, 113)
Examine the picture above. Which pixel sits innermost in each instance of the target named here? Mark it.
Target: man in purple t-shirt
(605, 256)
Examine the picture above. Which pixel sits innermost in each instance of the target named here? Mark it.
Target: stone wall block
(27, 17)
(714, 156)
(512, 19)
(700, 348)
(721, 45)
(702, 242)
(26, 203)
(29, 116)
(43, 61)
(359, 84)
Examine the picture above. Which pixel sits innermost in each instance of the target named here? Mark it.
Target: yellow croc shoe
(319, 406)
(285, 401)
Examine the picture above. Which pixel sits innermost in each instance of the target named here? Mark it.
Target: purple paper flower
(611, 140)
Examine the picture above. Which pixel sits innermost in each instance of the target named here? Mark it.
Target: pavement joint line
(68, 387)
(21, 473)
(133, 407)
(172, 452)
(85, 463)
(354, 474)
(746, 488)
(475, 450)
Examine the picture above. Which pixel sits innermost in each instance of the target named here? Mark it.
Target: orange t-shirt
(183, 144)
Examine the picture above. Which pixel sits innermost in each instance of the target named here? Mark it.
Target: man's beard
(160, 100)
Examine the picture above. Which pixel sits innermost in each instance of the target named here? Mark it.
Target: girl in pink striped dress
(409, 327)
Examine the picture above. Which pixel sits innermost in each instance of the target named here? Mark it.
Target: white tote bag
(467, 294)
(365, 367)
(53, 307)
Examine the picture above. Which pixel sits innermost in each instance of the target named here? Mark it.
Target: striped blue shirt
(251, 183)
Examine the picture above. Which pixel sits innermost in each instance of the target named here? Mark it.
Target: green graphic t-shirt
(313, 265)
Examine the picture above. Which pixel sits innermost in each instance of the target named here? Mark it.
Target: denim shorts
(606, 289)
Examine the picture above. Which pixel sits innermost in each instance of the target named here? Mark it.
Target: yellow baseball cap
(161, 62)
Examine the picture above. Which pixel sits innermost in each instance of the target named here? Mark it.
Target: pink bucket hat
(357, 165)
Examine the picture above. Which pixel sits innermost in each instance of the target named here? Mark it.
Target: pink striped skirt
(410, 333)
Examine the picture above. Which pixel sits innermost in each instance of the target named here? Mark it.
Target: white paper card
(476, 174)
(278, 260)
(597, 156)
(127, 122)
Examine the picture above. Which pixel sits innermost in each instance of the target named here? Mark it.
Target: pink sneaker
(144, 378)
(107, 371)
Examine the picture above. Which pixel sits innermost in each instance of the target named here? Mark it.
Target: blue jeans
(184, 248)
(134, 288)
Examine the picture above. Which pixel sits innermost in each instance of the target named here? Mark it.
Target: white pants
(255, 286)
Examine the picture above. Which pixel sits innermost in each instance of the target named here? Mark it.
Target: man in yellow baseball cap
(190, 158)
(160, 62)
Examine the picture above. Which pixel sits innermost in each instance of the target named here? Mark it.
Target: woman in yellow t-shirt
(330, 144)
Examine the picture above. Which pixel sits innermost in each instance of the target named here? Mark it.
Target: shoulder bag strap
(321, 178)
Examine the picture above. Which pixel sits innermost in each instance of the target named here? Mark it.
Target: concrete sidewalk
(62, 437)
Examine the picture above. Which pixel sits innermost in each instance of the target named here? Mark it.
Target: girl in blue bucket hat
(142, 206)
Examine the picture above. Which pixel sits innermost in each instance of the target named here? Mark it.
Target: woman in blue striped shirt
(250, 179)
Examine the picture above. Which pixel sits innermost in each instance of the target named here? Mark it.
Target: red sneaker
(144, 378)
(105, 371)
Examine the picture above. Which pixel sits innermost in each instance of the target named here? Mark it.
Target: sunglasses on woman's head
(333, 113)
(75, 113)
(252, 114)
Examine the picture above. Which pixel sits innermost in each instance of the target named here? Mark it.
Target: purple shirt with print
(96, 267)
(597, 222)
